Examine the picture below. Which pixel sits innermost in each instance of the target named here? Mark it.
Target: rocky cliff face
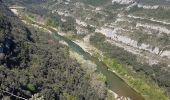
(123, 1)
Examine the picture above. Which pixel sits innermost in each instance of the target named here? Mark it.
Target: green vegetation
(90, 28)
(115, 6)
(66, 26)
(96, 2)
(36, 63)
(69, 25)
(101, 77)
(160, 13)
(138, 81)
(31, 62)
(31, 87)
(154, 40)
(155, 2)
(121, 61)
(53, 21)
(68, 97)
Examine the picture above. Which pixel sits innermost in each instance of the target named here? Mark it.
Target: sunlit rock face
(123, 1)
(166, 53)
(154, 27)
(113, 34)
(148, 6)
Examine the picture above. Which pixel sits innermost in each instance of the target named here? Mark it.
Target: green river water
(114, 82)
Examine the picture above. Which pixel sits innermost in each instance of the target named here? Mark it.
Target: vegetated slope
(96, 2)
(31, 62)
(31, 2)
(136, 29)
(13, 40)
(155, 2)
(24, 2)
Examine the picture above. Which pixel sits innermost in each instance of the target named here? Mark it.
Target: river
(114, 82)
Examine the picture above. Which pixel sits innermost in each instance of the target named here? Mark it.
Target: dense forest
(31, 62)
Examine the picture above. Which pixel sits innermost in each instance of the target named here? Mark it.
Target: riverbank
(85, 44)
(91, 69)
(138, 81)
(82, 60)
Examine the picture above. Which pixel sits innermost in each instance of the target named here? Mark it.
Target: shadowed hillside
(31, 62)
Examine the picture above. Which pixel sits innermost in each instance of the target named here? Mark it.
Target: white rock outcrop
(81, 23)
(113, 34)
(148, 6)
(123, 1)
(166, 54)
(154, 27)
(151, 19)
